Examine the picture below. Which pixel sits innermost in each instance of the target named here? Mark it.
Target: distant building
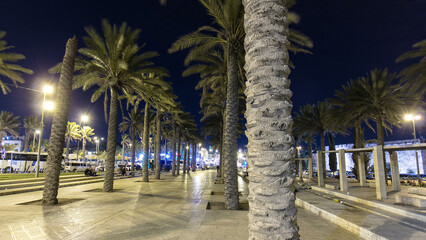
(18, 142)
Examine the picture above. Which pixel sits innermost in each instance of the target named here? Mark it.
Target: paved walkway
(171, 208)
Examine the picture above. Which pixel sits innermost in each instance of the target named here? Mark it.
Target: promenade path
(170, 208)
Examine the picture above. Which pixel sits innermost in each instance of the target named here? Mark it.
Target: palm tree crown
(8, 70)
(9, 124)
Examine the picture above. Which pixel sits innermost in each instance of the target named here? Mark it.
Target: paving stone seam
(360, 231)
(391, 209)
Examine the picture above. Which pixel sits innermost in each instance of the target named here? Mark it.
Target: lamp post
(413, 118)
(46, 106)
(83, 119)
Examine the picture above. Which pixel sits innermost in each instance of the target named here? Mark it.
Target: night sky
(350, 39)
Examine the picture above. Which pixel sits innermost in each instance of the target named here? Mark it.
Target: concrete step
(35, 183)
(395, 209)
(365, 221)
(417, 190)
(39, 179)
(411, 200)
(61, 184)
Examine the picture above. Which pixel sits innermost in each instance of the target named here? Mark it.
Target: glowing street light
(413, 118)
(46, 106)
(83, 119)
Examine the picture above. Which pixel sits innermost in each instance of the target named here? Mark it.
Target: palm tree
(302, 125)
(157, 142)
(31, 124)
(86, 135)
(9, 124)
(125, 143)
(376, 98)
(72, 134)
(134, 124)
(59, 125)
(272, 208)
(415, 74)
(8, 70)
(228, 15)
(114, 63)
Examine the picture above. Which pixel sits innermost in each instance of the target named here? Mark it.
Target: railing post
(300, 171)
(379, 172)
(311, 170)
(396, 180)
(361, 170)
(342, 171)
(320, 170)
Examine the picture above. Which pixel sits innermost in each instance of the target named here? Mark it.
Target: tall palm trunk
(381, 140)
(122, 156)
(230, 132)
(310, 155)
(272, 210)
(185, 150)
(111, 142)
(220, 173)
(332, 158)
(67, 151)
(133, 148)
(194, 156)
(27, 140)
(174, 150)
(188, 160)
(59, 125)
(178, 156)
(157, 146)
(84, 150)
(145, 171)
(323, 154)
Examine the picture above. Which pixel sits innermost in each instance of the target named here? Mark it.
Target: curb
(360, 231)
(381, 206)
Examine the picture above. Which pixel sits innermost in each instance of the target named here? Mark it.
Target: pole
(419, 179)
(34, 141)
(78, 145)
(40, 137)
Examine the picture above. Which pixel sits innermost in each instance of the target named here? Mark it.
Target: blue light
(167, 156)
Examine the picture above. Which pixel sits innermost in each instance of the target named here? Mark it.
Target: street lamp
(46, 106)
(84, 118)
(413, 118)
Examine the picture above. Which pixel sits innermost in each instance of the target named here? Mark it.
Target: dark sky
(350, 38)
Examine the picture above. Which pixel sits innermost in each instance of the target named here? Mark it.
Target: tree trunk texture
(184, 155)
(310, 156)
(26, 141)
(220, 173)
(178, 156)
(230, 132)
(122, 156)
(67, 151)
(83, 148)
(272, 212)
(59, 125)
(145, 171)
(111, 142)
(332, 158)
(157, 147)
(133, 149)
(194, 156)
(381, 141)
(174, 150)
(323, 154)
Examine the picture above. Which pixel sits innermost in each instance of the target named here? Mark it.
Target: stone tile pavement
(170, 208)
